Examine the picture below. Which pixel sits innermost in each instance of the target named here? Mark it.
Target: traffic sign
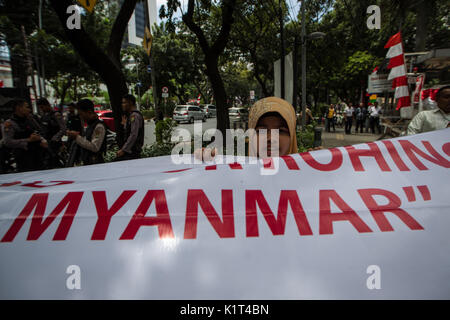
(148, 39)
(165, 90)
(88, 4)
(149, 69)
(165, 95)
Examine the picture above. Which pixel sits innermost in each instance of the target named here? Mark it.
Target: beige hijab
(284, 108)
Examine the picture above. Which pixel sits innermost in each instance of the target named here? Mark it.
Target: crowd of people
(35, 142)
(50, 139)
(344, 115)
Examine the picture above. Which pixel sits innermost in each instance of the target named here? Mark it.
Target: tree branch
(82, 42)
(188, 20)
(118, 29)
(227, 20)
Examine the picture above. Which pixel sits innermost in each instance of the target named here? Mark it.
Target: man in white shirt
(374, 112)
(436, 119)
(348, 111)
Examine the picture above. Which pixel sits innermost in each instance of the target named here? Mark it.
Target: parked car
(107, 116)
(209, 109)
(238, 114)
(188, 113)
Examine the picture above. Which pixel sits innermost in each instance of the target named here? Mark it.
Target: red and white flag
(419, 85)
(398, 70)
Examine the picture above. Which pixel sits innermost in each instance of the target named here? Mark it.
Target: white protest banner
(369, 221)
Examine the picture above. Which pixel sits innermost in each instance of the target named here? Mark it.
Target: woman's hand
(315, 149)
(205, 154)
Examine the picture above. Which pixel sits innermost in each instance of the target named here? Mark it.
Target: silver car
(188, 113)
(209, 109)
(238, 115)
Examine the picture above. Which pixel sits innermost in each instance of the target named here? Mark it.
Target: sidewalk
(340, 139)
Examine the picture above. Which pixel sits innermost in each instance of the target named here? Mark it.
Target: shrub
(148, 114)
(305, 139)
(163, 130)
(157, 150)
(110, 154)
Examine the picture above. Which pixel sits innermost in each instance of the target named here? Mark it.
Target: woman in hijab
(267, 114)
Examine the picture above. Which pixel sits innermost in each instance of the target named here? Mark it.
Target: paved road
(340, 139)
(150, 129)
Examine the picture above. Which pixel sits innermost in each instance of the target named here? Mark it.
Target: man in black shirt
(73, 122)
(93, 141)
(54, 129)
(21, 134)
(133, 123)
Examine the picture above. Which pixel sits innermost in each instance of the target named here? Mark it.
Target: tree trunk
(19, 76)
(262, 84)
(66, 87)
(106, 64)
(212, 70)
(75, 90)
(423, 15)
(212, 53)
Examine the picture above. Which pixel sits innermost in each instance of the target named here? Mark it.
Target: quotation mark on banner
(424, 191)
(374, 280)
(73, 282)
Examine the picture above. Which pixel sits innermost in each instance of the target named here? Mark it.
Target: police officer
(93, 142)
(360, 115)
(21, 134)
(73, 121)
(133, 123)
(54, 129)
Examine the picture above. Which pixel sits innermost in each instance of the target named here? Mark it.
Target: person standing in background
(93, 141)
(21, 134)
(330, 118)
(375, 112)
(133, 123)
(54, 128)
(360, 115)
(348, 112)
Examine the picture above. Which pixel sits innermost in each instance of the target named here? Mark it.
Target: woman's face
(269, 123)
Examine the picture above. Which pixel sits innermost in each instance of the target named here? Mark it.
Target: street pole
(139, 84)
(29, 67)
(282, 52)
(295, 84)
(303, 65)
(41, 60)
(158, 114)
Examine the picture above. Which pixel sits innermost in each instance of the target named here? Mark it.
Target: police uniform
(53, 126)
(134, 136)
(53, 129)
(93, 143)
(74, 122)
(28, 155)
